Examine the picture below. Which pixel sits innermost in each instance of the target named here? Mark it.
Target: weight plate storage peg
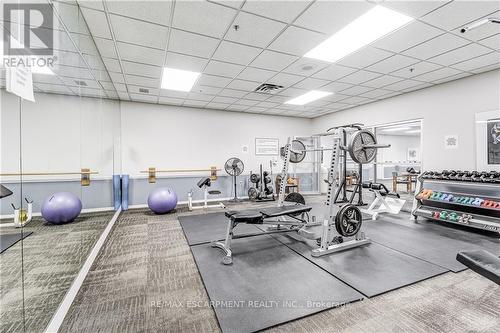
(348, 220)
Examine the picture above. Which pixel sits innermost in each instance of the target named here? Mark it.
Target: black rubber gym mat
(372, 269)
(435, 245)
(205, 228)
(8, 240)
(267, 284)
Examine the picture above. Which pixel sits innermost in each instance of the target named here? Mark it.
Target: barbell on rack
(362, 147)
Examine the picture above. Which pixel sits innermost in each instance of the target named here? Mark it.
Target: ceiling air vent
(81, 83)
(268, 88)
(144, 90)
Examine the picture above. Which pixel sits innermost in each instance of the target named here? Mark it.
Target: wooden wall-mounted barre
(84, 174)
(152, 172)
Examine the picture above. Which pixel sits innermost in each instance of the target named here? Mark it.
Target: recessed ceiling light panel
(177, 79)
(308, 97)
(374, 24)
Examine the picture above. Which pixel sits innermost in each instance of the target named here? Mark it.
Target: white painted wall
(398, 151)
(170, 137)
(448, 108)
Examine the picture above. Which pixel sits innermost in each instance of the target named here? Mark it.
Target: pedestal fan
(234, 167)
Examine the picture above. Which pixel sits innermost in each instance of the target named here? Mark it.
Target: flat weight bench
(482, 262)
(292, 216)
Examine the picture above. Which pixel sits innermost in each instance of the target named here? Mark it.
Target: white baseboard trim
(87, 210)
(58, 318)
(186, 202)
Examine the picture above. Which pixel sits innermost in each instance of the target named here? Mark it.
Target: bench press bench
(288, 218)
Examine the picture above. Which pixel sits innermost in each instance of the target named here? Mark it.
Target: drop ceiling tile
(267, 104)
(106, 47)
(116, 77)
(107, 85)
(278, 99)
(111, 94)
(171, 101)
(273, 60)
(144, 55)
(210, 19)
(142, 81)
(213, 81)
(200, 97)
(217, 106)
(142, 90)
(256, 74)
(101, 75)
(94, 62)
(112, 65)
(236, 107)
(274, 9)
(52, 88)
(359, 77)
(364, 57)
(141, 69)
(414, 8)
(224, 99)
(85, 44)
(330, 16)
(416, 69)
(402, 85)
(246, 102)
(254, 30)
(461, 54)
(69, 59)
(223, 69)
(288, 41)
(256, 109)
(456, 13)
(486, 68)
(231, 3)
(185, 62)
(485, 31)
(484, 60)
(232, 93)
(235, 53)
(436, 46)
(382, 81)
(173, 94)
(336, 86)
(356, 100)
(306, 66)
(292, 92)
(356, 90)
(154, 11)
(243, 85)
(194, 104)
(192, 44)
(88, 92)
(334, 72)
(408, 36)
(123, 96)
(139, 32)
(311, 84)
(50, 79)
(143, 98)
(491, 42)
(207, 90)
(392, 64)
(437, 74)
(418, 87)
(451, 78)
(376, 93)
(93, 4)
(97, 23)
(257, 96)
(285, 80)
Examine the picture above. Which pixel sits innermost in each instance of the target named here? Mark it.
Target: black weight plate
(295, 197)
(269, 189)
(254, 178)
(348, 220)
(267, 180)
(358, 153)
(253, 194)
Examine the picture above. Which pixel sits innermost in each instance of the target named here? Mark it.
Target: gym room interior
(250, 166)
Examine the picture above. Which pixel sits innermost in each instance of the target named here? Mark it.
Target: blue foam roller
(117, 197)
(125, 181)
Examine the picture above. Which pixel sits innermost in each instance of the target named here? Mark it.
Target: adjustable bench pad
(482, 262)
(258, 216)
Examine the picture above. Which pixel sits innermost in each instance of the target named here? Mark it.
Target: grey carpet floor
(145, 280)
(51, 258)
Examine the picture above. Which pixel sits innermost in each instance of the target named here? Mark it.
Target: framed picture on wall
(493, 141)
(412, 154)
(267, 146)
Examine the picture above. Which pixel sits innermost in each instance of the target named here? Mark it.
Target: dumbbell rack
(474, 216)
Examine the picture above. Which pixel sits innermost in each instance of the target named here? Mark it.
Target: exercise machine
(291, 213)
(263, 190)
(385, 201)
(204, 183)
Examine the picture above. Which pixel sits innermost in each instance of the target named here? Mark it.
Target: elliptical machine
(263, 190)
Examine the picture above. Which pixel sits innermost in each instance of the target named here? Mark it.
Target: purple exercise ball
(162, 200)
(61, 207)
